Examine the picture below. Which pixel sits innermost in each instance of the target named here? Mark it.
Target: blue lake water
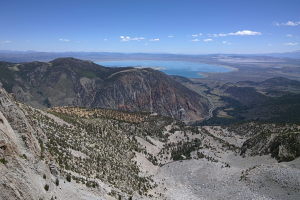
(181, 68)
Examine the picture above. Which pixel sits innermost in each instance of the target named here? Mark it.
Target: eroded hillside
(79, 153)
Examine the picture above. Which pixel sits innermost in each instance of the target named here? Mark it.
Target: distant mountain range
(29, 56)
(293, 54)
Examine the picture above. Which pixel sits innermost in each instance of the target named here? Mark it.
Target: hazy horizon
(162, 53)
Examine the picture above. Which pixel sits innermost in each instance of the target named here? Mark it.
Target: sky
(152, 26)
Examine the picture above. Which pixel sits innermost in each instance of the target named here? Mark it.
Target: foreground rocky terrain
(79, 153)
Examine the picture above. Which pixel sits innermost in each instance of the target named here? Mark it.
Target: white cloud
(128, 38)
(197, 35)
(237, 33)
(289, 35)
(105, 39)
(245, 32)
(154, 40)
(291, 43)
(288, 23)
(226, 42)
(64, 40)
(195, 40)
(171, 36)
(208, 40)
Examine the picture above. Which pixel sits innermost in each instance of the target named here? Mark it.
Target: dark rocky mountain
(272, 82)
(280, 81)
(276, 87)
(246, 95)
(249, 103)
(273, 100)
(73, 82)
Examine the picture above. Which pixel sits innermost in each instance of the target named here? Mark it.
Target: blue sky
(161, 26)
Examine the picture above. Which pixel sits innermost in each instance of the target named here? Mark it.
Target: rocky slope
(46, 157)
(24, 175)
(88, 154)
(281, 141)
(73, 82)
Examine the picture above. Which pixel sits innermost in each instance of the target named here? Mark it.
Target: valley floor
(258, 178)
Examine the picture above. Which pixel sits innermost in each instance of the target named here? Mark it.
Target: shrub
(46, 187)
(3, 161)
(69, 177)
(57, 182)
(24, 156)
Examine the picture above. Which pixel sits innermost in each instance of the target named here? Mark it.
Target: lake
(181, 68)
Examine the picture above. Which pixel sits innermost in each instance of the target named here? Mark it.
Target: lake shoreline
(188, 69)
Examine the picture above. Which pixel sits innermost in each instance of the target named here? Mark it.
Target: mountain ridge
(73, 82)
